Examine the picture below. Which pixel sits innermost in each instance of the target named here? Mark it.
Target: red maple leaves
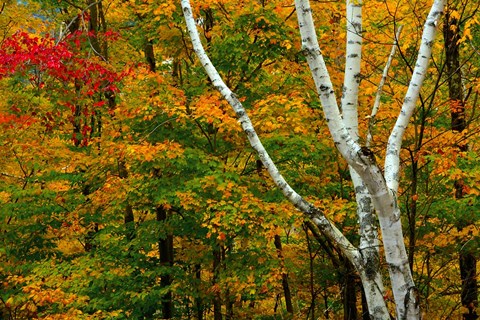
(22, 53)
(79, 79)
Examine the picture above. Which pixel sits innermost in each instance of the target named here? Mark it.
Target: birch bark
(362, 160)
(307, 208)
(382, 191)
(369, 243)
(392, 160)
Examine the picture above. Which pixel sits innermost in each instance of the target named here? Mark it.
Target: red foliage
(13, 121)
(70, 70)
(22, 53)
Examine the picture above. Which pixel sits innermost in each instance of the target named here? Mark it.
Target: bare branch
(376, 105)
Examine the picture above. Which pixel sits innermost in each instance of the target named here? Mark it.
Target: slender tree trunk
(165, 245)
(128, 216)
(369, 242)
(77, 117)
(467, 261)
(454, 75)
(150, 55)
(90, 238)
(96, 23)
(217, 299)
(286, 288)
(228, 300)
(326, 306)
(199, 301)
(412, 215)
(468, 268)
(349, 292)
(311, 256)
(77, 121)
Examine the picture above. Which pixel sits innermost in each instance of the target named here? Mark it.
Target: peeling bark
(369, 243)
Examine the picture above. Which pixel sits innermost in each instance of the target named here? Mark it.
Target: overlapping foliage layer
(127, 188)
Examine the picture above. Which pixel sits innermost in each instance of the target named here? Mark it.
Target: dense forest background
(129, 191)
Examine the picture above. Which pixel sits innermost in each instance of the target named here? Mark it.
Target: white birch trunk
(392, 160)
(369, 243)
(363, 161)
(360, 159)
(325, 226)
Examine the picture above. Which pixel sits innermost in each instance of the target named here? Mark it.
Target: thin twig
(158, 126)
(376, 105)
(60, 37)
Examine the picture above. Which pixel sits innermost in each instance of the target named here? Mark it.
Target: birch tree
(375, 188)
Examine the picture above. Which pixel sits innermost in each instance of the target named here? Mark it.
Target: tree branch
(309, 209)
(392, 160)
(376, 105)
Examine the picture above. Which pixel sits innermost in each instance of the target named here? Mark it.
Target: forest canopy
(213, 160)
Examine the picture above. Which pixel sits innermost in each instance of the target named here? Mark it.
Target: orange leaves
(446, 237)
(222, 236)
(147, 152)
(283, 113)
(230, 211)
(456, 106)
(187, 200)
(41, 293)
(444, 164)
(214, 110)
(467, 31)
(5, 196)
(12, 121)
(45, 296)
(337, 210)
(166, 8)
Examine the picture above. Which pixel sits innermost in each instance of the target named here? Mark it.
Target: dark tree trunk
(217, 300)
(468, 270)
(312, 255)
(228, 300)
(454, 74)
(150, 55)
(97, 23)
(90, 238)
(77, 118)
(286, 288)
(165, 245)
(468, 262)
(412, 214)
(349, 292)
(199, 301)
(128, 216)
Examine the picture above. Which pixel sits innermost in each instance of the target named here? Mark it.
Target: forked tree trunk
(382, 189)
